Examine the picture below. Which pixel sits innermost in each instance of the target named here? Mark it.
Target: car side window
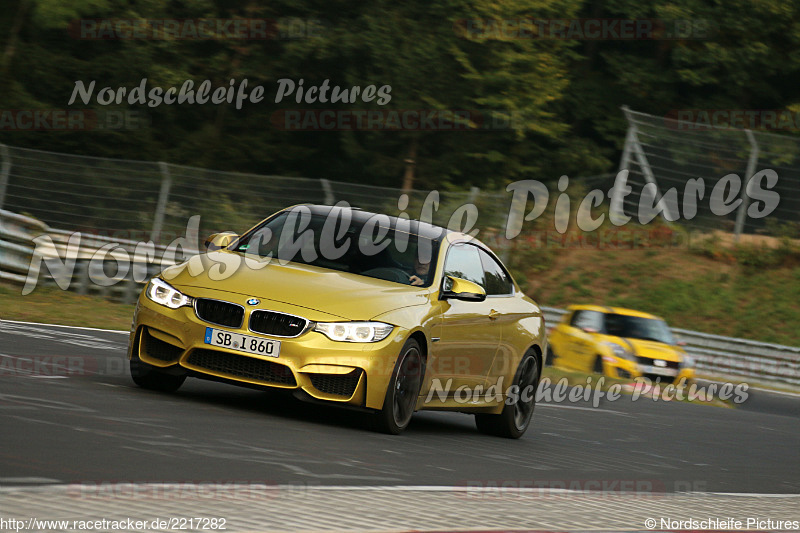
(497, 280)
(464, 262)
(587, 319)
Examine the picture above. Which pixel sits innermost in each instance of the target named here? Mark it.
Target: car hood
(654, 350)
(346, 295)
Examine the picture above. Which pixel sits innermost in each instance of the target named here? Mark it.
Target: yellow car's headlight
(354, 331)
(165, 294)
(620, 351)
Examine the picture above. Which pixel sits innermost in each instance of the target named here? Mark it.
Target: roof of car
(614, 310)
(359, 216)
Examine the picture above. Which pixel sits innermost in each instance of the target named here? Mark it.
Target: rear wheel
(403, 390)
(516, 415)
(149, 377)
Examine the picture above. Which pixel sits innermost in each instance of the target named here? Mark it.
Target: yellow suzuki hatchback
(351, 308)
(620, 343)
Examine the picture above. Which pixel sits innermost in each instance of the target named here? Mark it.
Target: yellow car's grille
(219, 312)
(278, 324)
(241, 366)
(338, 384)
(650, 361)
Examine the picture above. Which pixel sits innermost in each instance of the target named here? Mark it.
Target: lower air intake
(242, 366)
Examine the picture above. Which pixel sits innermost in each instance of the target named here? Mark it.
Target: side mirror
(461, 289)
(217, 241)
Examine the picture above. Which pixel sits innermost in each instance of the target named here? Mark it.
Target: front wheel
(403, 390)
(514, 419)
(551, 355)
(598, 365)
(149, 377)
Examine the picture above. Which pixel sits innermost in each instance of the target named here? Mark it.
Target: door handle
(493, 314)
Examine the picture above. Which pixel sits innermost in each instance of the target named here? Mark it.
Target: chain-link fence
(671, 152)
(141, 200)
(144, 200)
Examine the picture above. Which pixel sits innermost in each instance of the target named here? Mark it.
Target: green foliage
(563, 95)
(766, 257)
(779, 228)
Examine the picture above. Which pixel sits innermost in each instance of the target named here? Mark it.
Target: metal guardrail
(17, 234)
(729, 356)
(715, 354)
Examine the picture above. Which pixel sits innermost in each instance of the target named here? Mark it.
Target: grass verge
(53, 306)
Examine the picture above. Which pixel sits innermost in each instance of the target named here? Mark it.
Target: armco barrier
(715, 355)
(728, 356)
(16, 233)
(138, 265)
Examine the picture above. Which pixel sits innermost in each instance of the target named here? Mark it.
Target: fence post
(330, 199)
(751, 169)
(641, 158)
(473, 194)
(161, 206)
(5, 171)
(625, 160)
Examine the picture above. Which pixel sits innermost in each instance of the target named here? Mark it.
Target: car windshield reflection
(634, 327)
(373, 249)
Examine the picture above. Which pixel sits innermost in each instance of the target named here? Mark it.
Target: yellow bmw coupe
(351, 308)
(620, 343)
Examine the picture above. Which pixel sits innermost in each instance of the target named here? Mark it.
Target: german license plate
(658, 371)
(243, 343)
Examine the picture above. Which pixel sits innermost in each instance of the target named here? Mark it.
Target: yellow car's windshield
(375, 248)
(634, 327)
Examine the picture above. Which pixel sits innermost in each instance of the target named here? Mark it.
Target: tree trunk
(13, 34)
(411, 163)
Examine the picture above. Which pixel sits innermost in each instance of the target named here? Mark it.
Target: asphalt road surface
(69, 413)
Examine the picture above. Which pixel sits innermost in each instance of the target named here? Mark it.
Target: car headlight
(621, 351)
(165, 294)
(354, 331)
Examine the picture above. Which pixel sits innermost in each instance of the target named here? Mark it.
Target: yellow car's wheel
(149, 377)
(551, 355)
(598, 365)
(403, 390)
(516, 415)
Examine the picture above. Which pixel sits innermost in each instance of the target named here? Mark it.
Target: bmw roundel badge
(253, 301)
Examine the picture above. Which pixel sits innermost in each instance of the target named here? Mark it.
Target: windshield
(373, 248)
(635, 327)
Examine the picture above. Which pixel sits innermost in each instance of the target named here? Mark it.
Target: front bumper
(355, 374)
(625, 369)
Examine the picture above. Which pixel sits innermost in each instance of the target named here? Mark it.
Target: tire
(598, 366)
(551, 355)
(149, 377)
(515, 417)
(403, 390)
